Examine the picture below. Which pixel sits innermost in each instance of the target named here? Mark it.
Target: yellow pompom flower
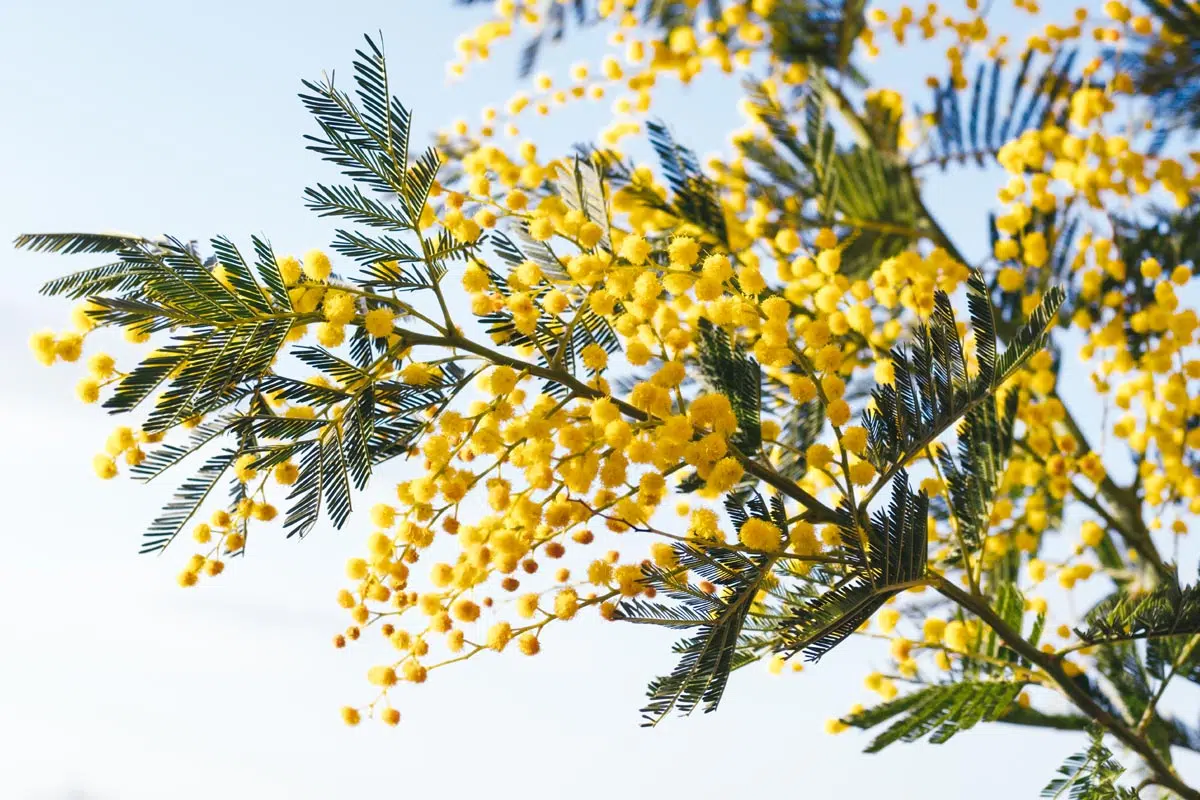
(243, 468)
(379, 322)
(566, 603)
(862, 473)
(417, 374)
(317, 266)
(42, 345)
(104, 466)
(683, 251)
(464, 610)
(286, 473)
(68, 347)
(88, 390)
(101, 365)
(759, 534)
(955, 636)
(594, 357)
(289, 270)
(382, 676)
(635, 249)
(529, 644)
(498, 636)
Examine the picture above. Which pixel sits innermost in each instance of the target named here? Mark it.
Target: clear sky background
(182, 117)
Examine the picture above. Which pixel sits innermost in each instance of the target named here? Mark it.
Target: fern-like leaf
(939, 712)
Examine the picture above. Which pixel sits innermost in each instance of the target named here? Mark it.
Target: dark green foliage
(229, 326)
(71, 243)
(1168, 610)
(1010, 607)
(1090, 775)
(886, 556)
(800, 425)
(1167, 74)
(932, 387)
(186, 502)
(694, 195)
(938, 712)
(867, 196)
(717, 647)
(228, 334)
(1176, 654)
(1002, 104)
(369, 140)
(729, 370)
(985, 442)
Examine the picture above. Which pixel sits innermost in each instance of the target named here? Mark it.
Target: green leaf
(985, 441)
(369, 140)
(186, 502)
(727, 369)
(718, 647)
(71, 243)
(711, 654)
(1168, 610)
(1089, 775)
(350, 203)
(932, 388)
(976, 136)
(939, 712)
(870, 197)
(888, 555)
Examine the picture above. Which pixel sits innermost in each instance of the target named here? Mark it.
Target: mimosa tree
(763, 400)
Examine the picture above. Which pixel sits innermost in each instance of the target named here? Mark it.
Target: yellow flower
(1091, 533)
(317, 266)
(417, 374)
(289, 270)
(594, 357)
(42, 345)
(286, 473)
(101, 365)
(683, 251)
(379, 322)
(635, 249)
(759, 534)
(88, 390)
(104, 466)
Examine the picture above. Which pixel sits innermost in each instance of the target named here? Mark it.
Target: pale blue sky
(182, 117)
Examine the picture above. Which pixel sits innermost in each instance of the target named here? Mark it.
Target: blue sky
(182, 117)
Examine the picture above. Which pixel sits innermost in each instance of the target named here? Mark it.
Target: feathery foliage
(1003, 103)
(1090, 775)
(938, 712)
(933, 386)
(858, 190)
(1166, 68)
(709, 655)
(1167, 610)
